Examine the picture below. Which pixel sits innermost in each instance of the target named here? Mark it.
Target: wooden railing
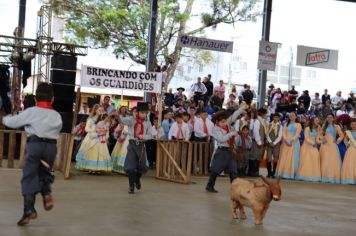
(177, 160)
(9, 159)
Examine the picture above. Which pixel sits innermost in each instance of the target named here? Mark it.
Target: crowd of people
(301, 138)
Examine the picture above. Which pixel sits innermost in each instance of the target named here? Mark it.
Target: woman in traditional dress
(289, 155)
(118, 155)
(97, 157)
(348, 171)
(330, 160)
(89, 139)
(309, 165)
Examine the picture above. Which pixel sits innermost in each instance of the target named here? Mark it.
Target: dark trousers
(136, 158)
(36, 176)
(151, 151)
(198, 97)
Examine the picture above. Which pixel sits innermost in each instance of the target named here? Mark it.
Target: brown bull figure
(256, 196)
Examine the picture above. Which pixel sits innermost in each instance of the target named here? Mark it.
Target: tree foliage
(123, 24)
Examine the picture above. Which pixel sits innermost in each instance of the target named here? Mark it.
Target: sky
(318, 23)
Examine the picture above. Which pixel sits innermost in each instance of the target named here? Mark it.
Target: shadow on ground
(99, 205)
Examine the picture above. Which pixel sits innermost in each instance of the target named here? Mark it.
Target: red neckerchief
(138, 123)
(231, 140)
(46, 105)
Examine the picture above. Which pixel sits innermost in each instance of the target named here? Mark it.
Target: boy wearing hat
(224, 137)
(274, 138)
(42, 125)
(140, 130)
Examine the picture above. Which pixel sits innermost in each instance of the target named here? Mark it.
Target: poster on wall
(267, 56)
(317, 57)
(103, 78)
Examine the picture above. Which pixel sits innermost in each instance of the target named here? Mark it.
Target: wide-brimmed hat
(181, 88)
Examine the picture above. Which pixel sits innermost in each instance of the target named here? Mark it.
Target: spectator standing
(169, 98)
(108, 108)
(325, 97)
(209, 88)
(270, 92)
(305, 99)
(166, 123)
(351, 102)
(316, 102)
(293, 93)
(85, 110)
(247, 95)
(216, 101)
(198, 90)
(337, 101)
(220, 89)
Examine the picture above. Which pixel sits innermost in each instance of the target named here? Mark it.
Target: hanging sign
(317, 57)
(267, 56)
(203, 43)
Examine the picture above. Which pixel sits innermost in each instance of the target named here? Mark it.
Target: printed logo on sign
(184, 39)
(317, 57)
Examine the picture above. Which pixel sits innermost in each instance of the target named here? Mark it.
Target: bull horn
(264, 179)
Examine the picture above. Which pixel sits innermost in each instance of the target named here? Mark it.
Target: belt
(36, 139)
(222, 148)
(136, 142)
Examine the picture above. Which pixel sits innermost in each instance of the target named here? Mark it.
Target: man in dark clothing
(305, 99)
(293, 93)
(247, 95)
(216, 101)
(351, 102)
(209, 87)
(169, 98)
(325, 97)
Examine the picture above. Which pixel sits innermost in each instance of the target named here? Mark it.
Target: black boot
(138, 181)
(256, 168)
(269, 169)
(29, 210)
(211, 183)
(242, 172)
(274, 169)
(132, 179)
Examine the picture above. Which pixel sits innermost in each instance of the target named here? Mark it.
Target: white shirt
(340, 112)
(157, 133)
(280, 132)
(336, 100)
(173, 131)
(199, 127)
(198, 88)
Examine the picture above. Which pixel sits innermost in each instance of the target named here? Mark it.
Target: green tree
(123, 25)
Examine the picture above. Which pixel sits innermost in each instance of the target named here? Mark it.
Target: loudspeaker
(63, 62)
(67, 119)
(63, 83)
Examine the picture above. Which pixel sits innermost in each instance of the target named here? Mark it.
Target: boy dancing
(42, 125)
(140, 130)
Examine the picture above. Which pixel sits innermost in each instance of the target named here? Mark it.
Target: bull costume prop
(223, 158)
(42, 125)
(136, 159)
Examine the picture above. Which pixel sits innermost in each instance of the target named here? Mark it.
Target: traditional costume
(223, 157)
(309, 165)
(87, 143)
(136, 159)
(348, 171)
(243, 145)
(258, 144)
(274, 138)
(42, 126)
(119, 152)
(330, 160)
(287, 167)
(179, 132)
(97, 158)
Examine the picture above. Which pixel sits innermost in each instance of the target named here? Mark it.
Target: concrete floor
(99, 205)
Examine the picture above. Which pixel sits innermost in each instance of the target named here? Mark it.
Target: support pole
(151, 43)
(16, 81)
(267, 12)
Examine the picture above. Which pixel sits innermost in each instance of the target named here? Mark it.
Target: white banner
(317, 57)
(203, 43)
(267, 56)
(101, 78)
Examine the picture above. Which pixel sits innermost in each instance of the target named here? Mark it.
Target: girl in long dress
(98, 158)
(330, 160)
(309, 165)
(289, 155)
(118, 155)
(89, 139)
(348, 171)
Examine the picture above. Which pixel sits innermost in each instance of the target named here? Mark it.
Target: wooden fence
(12, 155)
(177, 160)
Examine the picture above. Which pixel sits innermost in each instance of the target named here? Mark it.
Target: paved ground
(99, 206)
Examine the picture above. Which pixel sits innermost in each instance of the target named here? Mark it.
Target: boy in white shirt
(203, 127)
(179, 130)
